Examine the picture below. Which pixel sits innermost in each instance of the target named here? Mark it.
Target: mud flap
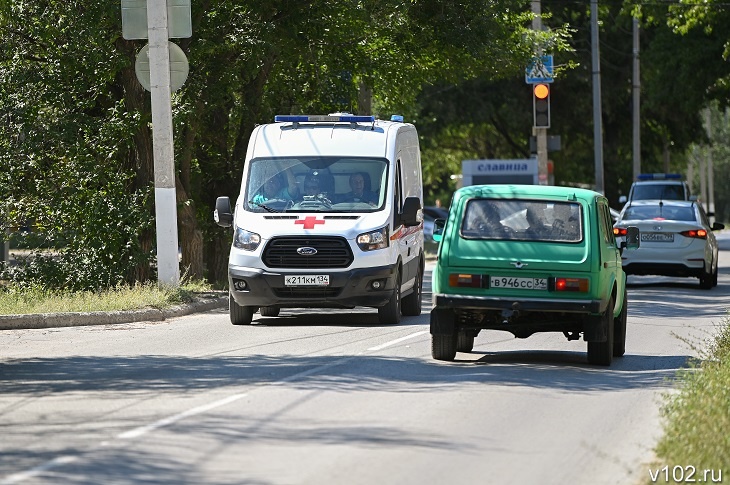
(443, 322)
(595, 328)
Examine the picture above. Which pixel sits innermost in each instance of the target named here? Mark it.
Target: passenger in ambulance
(319, 182)
(360, 190)
(311, 185)
(276, 189)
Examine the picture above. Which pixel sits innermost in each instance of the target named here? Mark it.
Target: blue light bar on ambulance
(324, 118)
(398, 118)
(659, 176)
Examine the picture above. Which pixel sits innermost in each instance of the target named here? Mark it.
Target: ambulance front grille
(331, 252)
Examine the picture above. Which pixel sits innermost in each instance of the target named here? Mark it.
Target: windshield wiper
(264, 207)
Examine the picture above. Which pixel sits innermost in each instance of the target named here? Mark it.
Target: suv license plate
(518, 283)
(307, 280)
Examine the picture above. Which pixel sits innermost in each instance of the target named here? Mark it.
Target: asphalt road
(332, 397)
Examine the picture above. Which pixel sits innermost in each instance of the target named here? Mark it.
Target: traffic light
(541, 105)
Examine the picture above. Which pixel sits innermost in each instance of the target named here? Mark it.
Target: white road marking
(396, 341)
(142, 430)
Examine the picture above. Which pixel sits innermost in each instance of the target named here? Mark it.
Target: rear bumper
(665, 269)
(524, 304)
(522, 318)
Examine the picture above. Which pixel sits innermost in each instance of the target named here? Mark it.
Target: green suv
(526, 259)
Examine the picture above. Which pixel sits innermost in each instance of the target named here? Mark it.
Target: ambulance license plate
(307, 280)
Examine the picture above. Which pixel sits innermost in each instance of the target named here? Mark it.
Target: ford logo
(307, 251)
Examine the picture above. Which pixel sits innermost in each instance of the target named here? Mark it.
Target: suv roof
(658, 186)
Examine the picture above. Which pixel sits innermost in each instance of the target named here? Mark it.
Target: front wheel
(390, 313)
(239, 315)
(443, 347)
(601, 353)
(412, 303)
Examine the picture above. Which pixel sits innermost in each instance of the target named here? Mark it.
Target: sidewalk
(202, 303)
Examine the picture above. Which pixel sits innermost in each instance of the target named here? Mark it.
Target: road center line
(397, 341)
(142, 430)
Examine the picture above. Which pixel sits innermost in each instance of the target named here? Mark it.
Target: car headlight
(246, 240)
(377, 239)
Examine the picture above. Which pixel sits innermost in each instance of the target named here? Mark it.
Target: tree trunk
(191, 237)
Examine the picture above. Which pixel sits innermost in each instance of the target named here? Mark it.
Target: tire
(601, 353)
(411, 304)
(706, 281)
(714, 276)
(464, 342)
(443, 347)
(619, 325)
(390, 313)
(269, 311)
(240, 315)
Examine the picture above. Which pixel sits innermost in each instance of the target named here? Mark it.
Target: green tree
(492, 118)
(73, 108)
(62, 169)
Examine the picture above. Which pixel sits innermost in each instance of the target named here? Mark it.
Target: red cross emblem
(309, 222)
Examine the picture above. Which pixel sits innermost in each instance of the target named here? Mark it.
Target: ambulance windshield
(311, 184)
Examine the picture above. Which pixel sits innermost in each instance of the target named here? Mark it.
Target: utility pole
(636, 91)
(710, 165)
(540, 133)
(597, 112)
(168, 263)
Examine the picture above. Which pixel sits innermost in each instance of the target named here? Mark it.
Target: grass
(697, 417)
(148, 295)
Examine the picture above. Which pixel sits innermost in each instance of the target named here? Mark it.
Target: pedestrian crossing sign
(540, 70)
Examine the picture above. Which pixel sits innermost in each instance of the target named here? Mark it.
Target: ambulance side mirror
(222, 214)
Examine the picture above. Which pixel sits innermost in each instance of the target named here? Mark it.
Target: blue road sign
(540, 70)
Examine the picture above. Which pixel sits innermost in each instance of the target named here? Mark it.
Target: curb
(74, 319)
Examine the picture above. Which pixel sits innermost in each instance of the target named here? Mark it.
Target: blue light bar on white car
(659, 176)
(324, 118)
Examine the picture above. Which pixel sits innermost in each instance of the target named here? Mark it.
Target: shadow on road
(158, 374)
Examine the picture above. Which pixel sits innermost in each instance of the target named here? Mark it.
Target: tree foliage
(75, 141)
(681, 71)
(63, 140)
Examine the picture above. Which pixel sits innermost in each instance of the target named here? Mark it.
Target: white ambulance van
(329, 216)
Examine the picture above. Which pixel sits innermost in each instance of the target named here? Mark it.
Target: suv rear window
(529, 220)
(658, 191)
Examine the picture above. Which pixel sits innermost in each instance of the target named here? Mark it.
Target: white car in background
(676, 240)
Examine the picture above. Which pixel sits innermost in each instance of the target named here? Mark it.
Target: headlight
(247, 240)
(377, 239)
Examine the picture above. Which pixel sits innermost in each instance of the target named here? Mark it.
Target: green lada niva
(527, 259)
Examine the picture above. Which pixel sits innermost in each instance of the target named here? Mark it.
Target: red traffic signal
(541, 105)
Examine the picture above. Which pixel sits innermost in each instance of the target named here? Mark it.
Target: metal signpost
(150, 19)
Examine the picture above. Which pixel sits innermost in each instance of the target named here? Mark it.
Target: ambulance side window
(397, 196)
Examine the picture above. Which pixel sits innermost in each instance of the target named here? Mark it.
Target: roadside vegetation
(148, 295)
(697, 418)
